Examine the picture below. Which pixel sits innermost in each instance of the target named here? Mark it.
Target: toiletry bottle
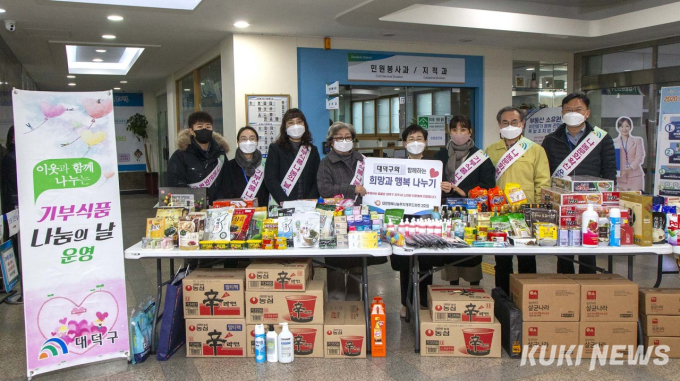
(272, 355)
(260, 356)
(589, 230)
(614, 227)
(285, 345)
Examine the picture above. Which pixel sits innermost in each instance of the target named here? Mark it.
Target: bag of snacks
(515, 194)
(481, 195)
(219, 224)
(496, 199)
(500, 223)
(240, 222)
(519, 225)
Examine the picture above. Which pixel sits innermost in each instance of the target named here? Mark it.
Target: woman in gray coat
(335, 175)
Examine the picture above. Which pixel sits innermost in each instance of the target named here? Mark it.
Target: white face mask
(295, 131)
(573, 119)
(511, 132)
(343, 146)
(247, 147)
(415, 148)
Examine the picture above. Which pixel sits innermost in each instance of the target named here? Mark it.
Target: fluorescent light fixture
(396, 89)
(530, 69)
(97, 60)
(108, 37)
(189, 5)
(71, 84)
(2, 10)
(115, 18)
(127, 59)
(241, 24)
(187, 90)
(70, 76)
(100, 50)
(116, 88)
(123, 81)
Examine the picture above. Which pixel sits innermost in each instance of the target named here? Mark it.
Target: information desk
(461, 254)
(136, 252)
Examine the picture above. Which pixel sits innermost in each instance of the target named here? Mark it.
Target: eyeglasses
(201, 126)
(514, 123)
(418, 139)
(244, 139)
(339, 139)
(578, 110)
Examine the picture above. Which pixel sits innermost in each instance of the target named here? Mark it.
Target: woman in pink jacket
(632, 148)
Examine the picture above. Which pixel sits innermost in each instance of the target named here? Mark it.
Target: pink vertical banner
(72, 245)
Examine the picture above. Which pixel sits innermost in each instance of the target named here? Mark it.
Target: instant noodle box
(608, 300)
(546, 297)
(273, 307)
(660, 325)
(344, 330)
(564, 197)
(673, 344)
(279, 274)
(216, 337)
(214, 293)
(607, 333)
(659, 301)
(456, 304)
(459, 339)
(547, 334)
(583, 184)
(307, 339)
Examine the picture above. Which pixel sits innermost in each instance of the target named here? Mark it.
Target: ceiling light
(116, 88)
(97, 60)
(241, 24)
(119, 66)
(71, 84)
(100, 50)
(202, 83)
(109, 37)
(123, 81)
(115, 18)
(2, 10)
(530, 69)
(396, 89)
(187, 89)
(70, 76)
(189, 5)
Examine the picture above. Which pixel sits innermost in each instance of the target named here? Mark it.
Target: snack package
(519, 226)
(286, 225)
(141, 323)
(515, 194)
(255, 228)
(545, 233)
(189, 237)
(171, 215)
(326, 222)
(481, 195)
(659, 227)
(240, 222)
(393, 215)
(496, 199)
(155, 227)
(218, 224)
(306, 229)
(500, 223)
(300, 205)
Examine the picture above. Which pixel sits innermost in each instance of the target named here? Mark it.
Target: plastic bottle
(272, 355)
(402, 228)
(603, 228)
(285, 345)
(429, 227)
(420, 227)
(589, 226)
(260, 355)
(378, 330)
(435, 213)
(439, 229)
(411, 227)
(614, 227)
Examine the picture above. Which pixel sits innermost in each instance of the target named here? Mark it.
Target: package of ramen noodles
(481, 195)
(496, 199)
(218, 224)
(515, 194)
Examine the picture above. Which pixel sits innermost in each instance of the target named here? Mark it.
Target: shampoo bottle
(272, 355)
(260, 355)
(589, 227)
(285, 345)
(614, 227)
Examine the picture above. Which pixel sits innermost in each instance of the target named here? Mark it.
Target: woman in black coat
(461, 146)
(294, 134)
(244, 165)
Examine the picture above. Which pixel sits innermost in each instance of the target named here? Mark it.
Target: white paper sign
(400, 68)
(333, 88)
(13, 222)
(412, 185)
(333, 103)
(265, 114)
(436, 128)
(8, 266)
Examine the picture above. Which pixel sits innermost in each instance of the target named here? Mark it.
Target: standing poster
(130, 150)
(630, 156)
(265, 114)
(412, 185)
(667, 178)
(75, 307)
(436, 128)
(8, 266)
(542, 121)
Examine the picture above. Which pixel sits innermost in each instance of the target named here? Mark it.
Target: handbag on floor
(172, 336)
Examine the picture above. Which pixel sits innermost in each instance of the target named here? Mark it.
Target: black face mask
(203, 136)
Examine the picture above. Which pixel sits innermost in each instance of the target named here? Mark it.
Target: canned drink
(575, 237)
(563, 237)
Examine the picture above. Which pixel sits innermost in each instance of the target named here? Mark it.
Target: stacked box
(272, 274)
(213, 302)
(345, 330)
(340, 232)
(459, 322)
(660, 316)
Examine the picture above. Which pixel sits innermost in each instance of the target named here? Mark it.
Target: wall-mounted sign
(333, 88)
(436, 128)
(265, 113)
(333, 103)
(401, 68)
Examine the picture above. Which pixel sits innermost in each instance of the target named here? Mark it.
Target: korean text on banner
(412, 185)
(402, 68)
(667, 178)
(73, 271)
(8, 266)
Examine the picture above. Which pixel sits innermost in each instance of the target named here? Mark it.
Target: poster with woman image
(631, 156)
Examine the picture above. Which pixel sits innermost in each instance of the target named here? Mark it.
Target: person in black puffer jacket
(601, 162)
(201, 157)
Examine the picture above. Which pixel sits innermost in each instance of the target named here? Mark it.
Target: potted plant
(138, 124)
(379, 142)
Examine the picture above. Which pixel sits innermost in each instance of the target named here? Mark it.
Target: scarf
(248, 165)
(457, 155)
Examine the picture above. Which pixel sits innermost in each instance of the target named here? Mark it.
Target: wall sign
(436, 128)
(667, 178)
(130, 150)
(401, 68)
(542, 121)
(265, 114)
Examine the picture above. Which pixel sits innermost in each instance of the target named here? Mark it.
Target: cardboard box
(279, 274)
(582, 184)
(595, 276)
(571, 215)
(673, 344)
(216, 337)
(273, 307)
(607, 333)
(458, 304)
(608, 299)
(546, 297)
(660, 325)
(214, 293)
(308, 339)
(641, 217)
(659, 301)
(459, 339)
(614, 197)
(548, 334)
(345, 330)
(363, 240)
(563, 197)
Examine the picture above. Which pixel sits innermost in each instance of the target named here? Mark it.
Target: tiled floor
(400, 364)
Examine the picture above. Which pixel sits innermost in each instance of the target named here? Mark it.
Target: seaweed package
(519, 225)
(500, 223)
(141, 324)
(306, 229)
(393, 215)
(255, 228)
(155, 227)
(240, 222)
(286, 225)
(218, 224)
